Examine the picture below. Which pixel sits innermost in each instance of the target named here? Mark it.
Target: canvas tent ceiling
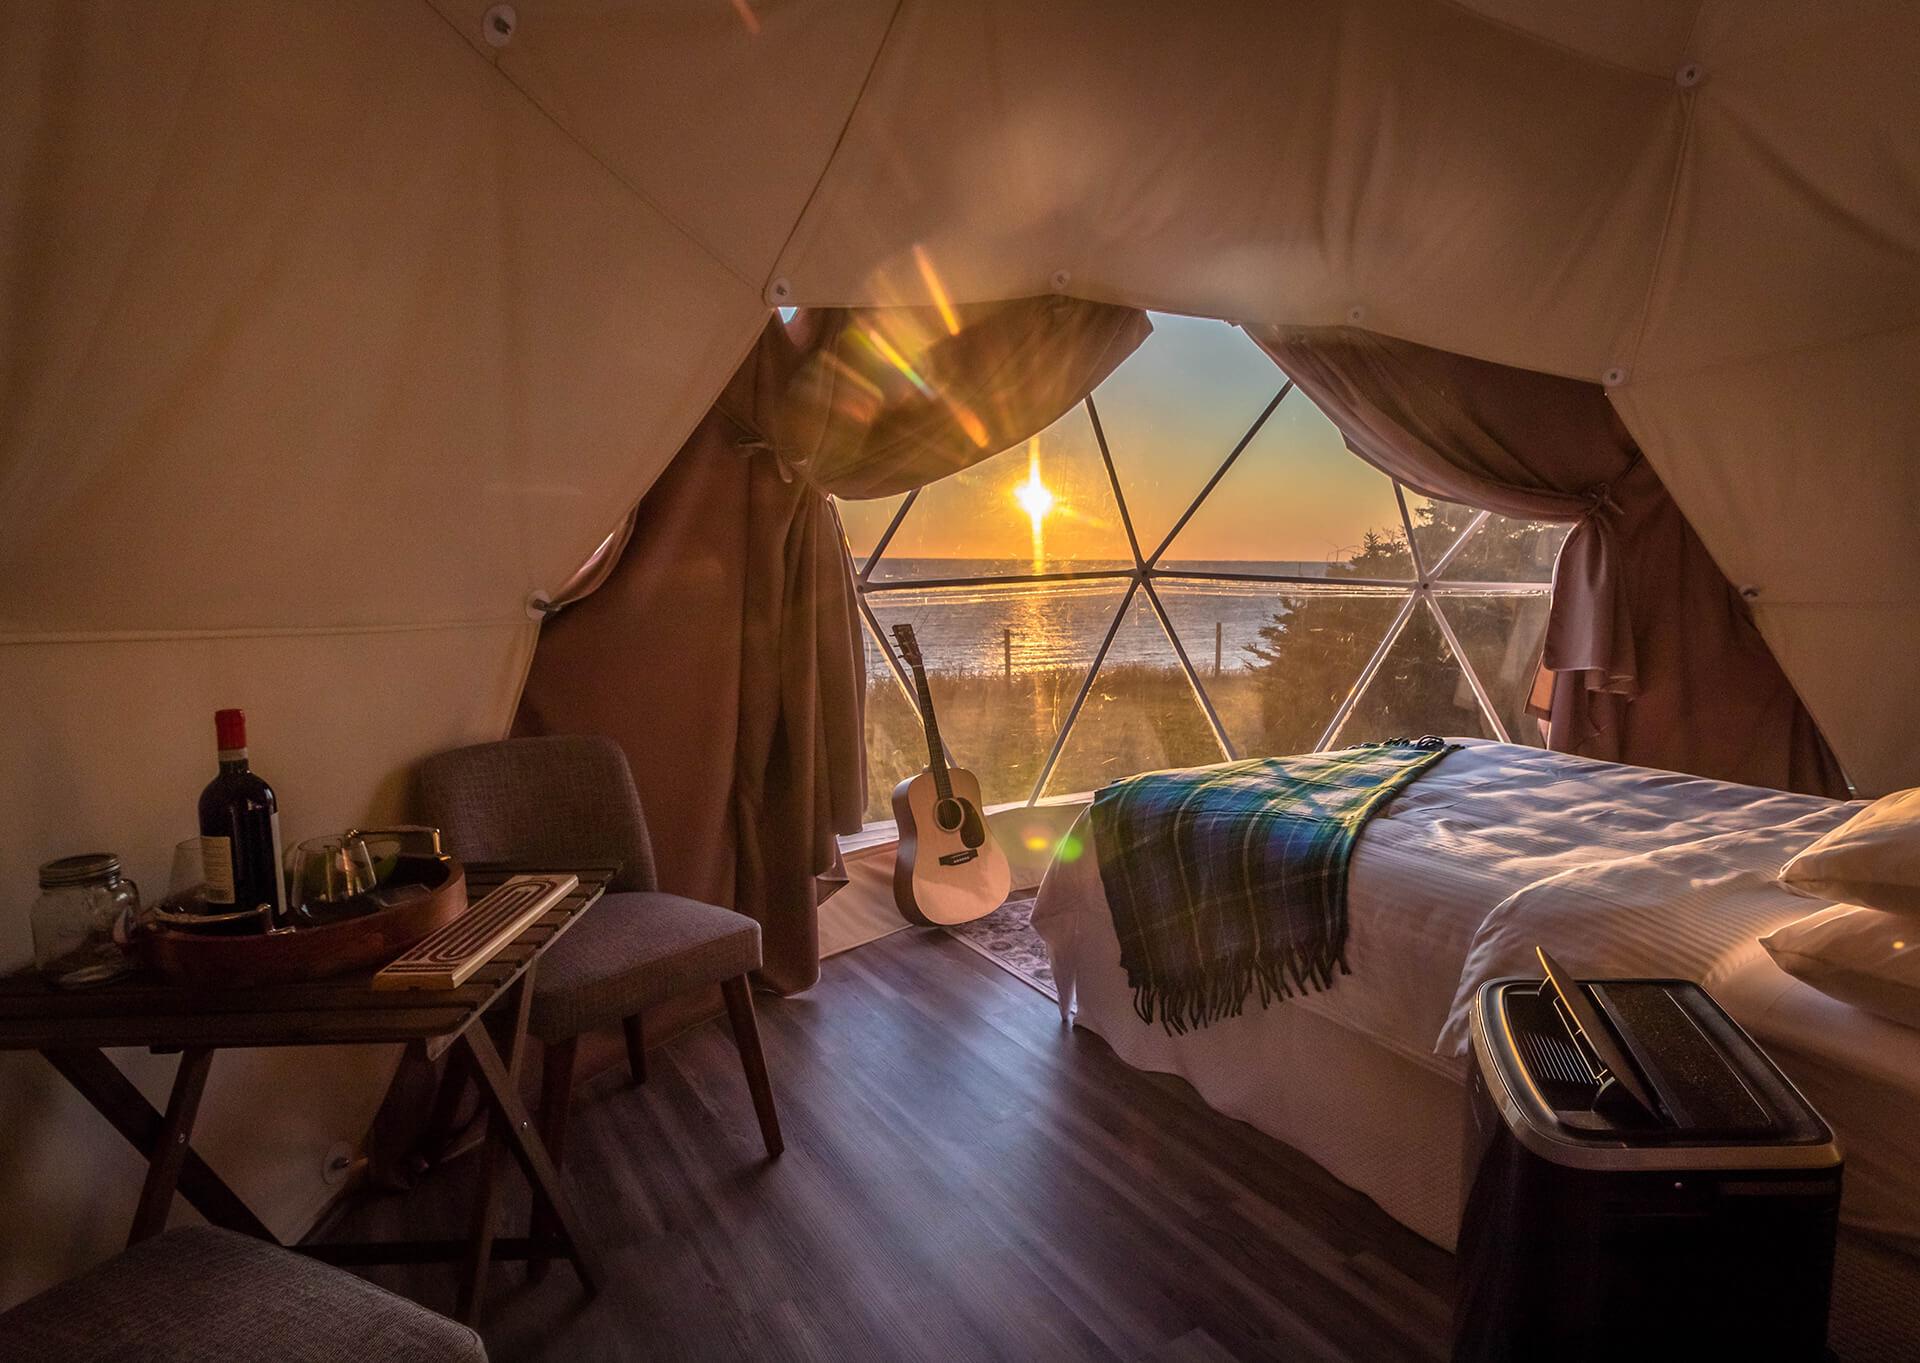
(333, 331)
(264, 261)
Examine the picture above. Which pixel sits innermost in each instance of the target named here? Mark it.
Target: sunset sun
(1034, 496)
(1036, 499)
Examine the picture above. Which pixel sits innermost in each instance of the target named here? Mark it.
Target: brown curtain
(1655, 659)
(722, 648)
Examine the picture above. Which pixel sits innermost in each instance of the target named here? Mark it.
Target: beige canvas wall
(323, 347)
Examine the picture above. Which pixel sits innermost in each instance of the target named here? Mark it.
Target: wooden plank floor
(964, 1179)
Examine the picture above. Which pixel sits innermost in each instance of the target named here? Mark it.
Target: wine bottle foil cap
(79, 870)
(231, 728)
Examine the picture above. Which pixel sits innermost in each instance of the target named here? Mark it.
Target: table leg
(170, 1149)
(511, 1024)
(549, 1193)
(113, 1096)
(443, 1122)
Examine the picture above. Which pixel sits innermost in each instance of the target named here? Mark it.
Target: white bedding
(1698, 911)
(1616, 869)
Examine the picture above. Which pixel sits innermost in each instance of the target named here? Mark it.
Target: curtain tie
(750, 445)
(1600, 496)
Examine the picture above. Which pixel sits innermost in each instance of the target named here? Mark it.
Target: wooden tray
(214, 962)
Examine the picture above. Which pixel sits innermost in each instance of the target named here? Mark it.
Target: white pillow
(1871, 859)
(1861, 956)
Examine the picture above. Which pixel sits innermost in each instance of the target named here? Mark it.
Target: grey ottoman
(198, 1295)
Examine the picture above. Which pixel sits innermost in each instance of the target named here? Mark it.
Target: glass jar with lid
(82, 918)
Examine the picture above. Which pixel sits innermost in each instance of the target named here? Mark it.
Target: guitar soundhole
(949, 814)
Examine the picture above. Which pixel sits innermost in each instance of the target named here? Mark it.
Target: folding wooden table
(475, 1021)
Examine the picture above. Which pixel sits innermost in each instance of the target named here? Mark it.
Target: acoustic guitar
(948, 869)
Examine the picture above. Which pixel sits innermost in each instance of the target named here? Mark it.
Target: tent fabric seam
(839, 141)
(1579, 54)
(25, 639)
(1667, 216)
(631, 188)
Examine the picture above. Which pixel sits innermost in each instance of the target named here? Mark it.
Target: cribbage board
(448, 958)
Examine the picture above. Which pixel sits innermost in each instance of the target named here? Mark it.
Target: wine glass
(187, 881)
(185, 908)
(330, 878)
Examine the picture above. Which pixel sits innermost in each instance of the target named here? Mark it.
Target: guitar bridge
(960, 858)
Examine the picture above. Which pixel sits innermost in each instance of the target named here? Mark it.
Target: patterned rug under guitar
(1006, 937)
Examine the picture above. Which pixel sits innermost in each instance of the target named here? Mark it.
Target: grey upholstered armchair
(200, 1295)
(567, 801)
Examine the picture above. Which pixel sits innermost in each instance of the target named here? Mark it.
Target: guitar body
(948, 868)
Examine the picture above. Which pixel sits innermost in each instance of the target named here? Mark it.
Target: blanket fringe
(1222, 991)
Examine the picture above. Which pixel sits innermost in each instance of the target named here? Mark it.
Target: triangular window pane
(1140, 714)
(1298, 502)
(1004, 664)
(1277, 662)
(865, 522)
(1418, 690)
(1501, 636)
(1043, 506)
(1437, 526)
(1175, 409)
(1507, 550)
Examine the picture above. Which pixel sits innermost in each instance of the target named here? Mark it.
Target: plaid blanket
(1228, 879)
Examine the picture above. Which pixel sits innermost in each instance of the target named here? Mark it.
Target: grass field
(1143, 718)
(1274, 697)
(1137, 718)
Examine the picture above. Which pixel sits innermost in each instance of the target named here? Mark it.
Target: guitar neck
(936, 751)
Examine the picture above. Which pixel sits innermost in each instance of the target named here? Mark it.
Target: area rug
(1006, 937)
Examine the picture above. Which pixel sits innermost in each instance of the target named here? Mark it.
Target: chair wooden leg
(635, 1029)
(746, 1037)
(556, 1096)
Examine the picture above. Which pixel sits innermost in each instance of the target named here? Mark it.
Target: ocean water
(1031, 627)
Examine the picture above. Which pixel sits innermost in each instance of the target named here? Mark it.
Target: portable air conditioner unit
(1643, 1183)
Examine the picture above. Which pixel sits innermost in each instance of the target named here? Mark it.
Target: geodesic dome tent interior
(334, 334)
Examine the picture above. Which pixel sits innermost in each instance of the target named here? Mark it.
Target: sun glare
(1035, 498)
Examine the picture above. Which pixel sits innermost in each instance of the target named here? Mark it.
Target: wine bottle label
(280, 904)
(216, 868)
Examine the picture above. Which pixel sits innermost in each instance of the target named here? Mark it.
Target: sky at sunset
(1171, 413)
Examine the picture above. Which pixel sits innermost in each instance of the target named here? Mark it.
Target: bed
(1619, 870)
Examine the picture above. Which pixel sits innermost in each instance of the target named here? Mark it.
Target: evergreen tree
(1309, 654)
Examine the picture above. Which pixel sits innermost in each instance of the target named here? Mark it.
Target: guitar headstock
(909, 646)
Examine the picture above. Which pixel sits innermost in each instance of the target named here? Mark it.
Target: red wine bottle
(240, 829)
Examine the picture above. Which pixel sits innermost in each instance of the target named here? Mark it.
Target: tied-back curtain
(722, 646)
(1655, 659)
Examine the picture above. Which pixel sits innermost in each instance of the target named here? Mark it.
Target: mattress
(1617, 869)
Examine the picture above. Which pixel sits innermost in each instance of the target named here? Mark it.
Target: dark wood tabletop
(143, 1010)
